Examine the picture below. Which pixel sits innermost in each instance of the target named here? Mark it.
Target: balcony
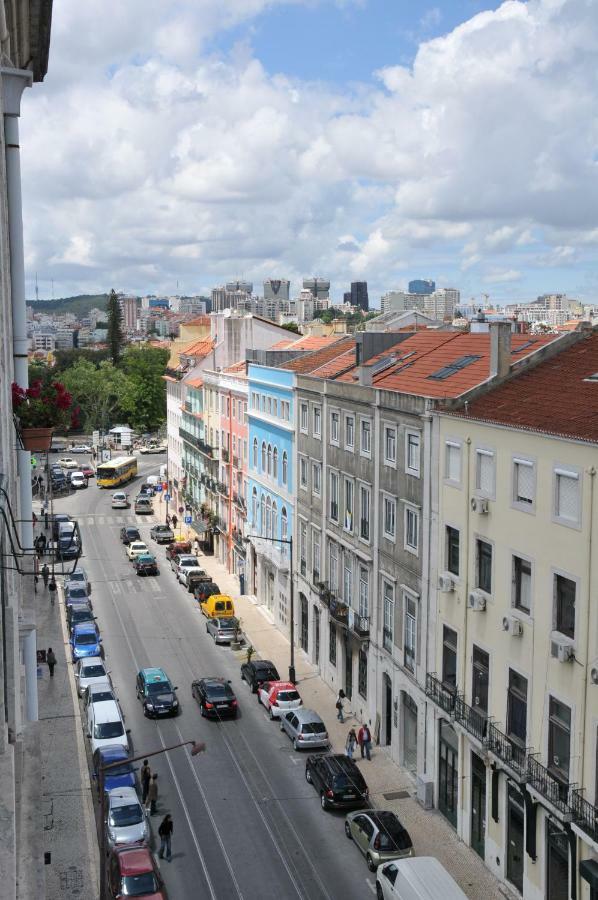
(324, 592)
(222, 488)
(240, 502)
(238, 538)
(236, 462)
(187, 406)
(190, 438)
(278, 556)
(549, 786)
(225, 456)
(585, 815)
(440, 694)
(387, 639)
(508, 751)
(339, 611)
(359, 625)
(475, 722)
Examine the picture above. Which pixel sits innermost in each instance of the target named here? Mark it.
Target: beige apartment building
(514, 695)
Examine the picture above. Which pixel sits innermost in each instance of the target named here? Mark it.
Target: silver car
(223, 630)
(305, 728)
(126, 819)
(90, 670)
(97, 693)
(379, 834)
(78, 578)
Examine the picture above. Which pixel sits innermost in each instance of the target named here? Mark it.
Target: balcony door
(478, 805)
(515, 826)
(448, 775)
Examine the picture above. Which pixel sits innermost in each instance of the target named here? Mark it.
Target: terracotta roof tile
(311, 362)
(307, 342)
(194, 382)
(198, 320)
(238, 367)
(197, 348)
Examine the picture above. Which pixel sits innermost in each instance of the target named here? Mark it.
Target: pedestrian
(52, 589)
(45, 575)
(365, 742)
(51, 660)
(168, 520)
(174, 520)
(145, 778)
(165, 831)
(152, 795)
(40, 543)
(339, 706)
(34, 519)
(196, 546)
(351, 742)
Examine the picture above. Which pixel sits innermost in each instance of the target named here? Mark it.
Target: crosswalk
(130, 519)
(121, 589)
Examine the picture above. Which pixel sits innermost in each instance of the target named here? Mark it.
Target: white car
(120, 500)
(90, 671)
(136, 548)
(81, 448)
(105, 725)
(67, 462)
(278, 697)
(126, 819)
(78, 480)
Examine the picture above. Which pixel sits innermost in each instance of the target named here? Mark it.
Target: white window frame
(411, 510)
(333, 561)
(388, 461)
(316, 550)
(451, 444)
(335, 475)
(518, 610)
(304, 417)
(365, 451)
(516, 463)
(572, 472)
(316, 480)
(578, 600)
(349, 513)
(365, 489)
(410, 598)
(387, 499)
(388, 613)
(486, 453)
(317, 417)
(413, 470)
(335, 418)
(303, 470)
(364, 591)
(349, 417)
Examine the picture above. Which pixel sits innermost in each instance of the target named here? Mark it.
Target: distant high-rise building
(128, 308)
(422, 286)
(441, 304)
(347, 298)
(245, 286)
(359, 295)
(319, 287)
(277, 289)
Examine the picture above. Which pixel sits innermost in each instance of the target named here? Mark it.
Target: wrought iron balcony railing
(506, 749)
(236, 462)
(584, 814)
(387, 639)
(359, 625)
(549, 785)
(339, 611)
(225, 456)
(471, 719)
(441, 695)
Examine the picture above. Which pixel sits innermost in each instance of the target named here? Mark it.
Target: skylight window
(593, 378)
(524, 347)
(453, 367)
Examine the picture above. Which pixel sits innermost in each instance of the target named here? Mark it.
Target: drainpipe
(14, 82)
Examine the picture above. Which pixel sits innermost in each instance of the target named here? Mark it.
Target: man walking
(45, 575)
(152, 794)
(339, 706)
(165, 831)
(145, 776)
(51, 660)
(364, 739)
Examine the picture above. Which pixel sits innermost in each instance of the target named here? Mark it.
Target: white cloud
(503, 276)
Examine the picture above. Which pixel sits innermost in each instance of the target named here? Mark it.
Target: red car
(278, 697)
(132, 872)
(178, 547)
(87, 470)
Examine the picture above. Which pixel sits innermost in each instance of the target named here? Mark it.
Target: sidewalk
(431, 833)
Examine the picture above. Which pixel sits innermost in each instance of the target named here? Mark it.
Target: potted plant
(40, 409)
(236, 641)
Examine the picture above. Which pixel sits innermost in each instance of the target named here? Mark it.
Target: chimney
(500, 349)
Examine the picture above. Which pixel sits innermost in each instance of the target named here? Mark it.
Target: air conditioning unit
(594, 675)
(425, 791)
(445, 583)
(476, 601)
(512, 625)
(479, 506)
(562, 651)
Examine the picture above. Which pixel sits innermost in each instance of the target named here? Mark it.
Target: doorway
(304, 629)
(409, 733)
(448, 780)
(316, 613)
(557, 854)
(387, 706)
(270, 591)
(348, 670)
(478, 805)
(515, 826)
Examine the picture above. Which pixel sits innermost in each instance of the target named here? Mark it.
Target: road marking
(371, 886)
(154, 585)
(115, 587)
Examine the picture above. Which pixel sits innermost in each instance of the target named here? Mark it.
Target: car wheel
(202, 710)
(348, 831)
(308, 777)
(242, 675)
(379, 891)
(323, 801)
(295, 744)
(371, 864)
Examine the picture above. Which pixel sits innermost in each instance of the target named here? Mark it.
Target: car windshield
(122, 816)
(108, 730)
(98, 696)
(92, 671)
(139, 885)
(159, 687)
(219, 691)
(77, 592)
(77, 576)
(313, 728)
(185, 563)
(267, 675)
(81, 615)
(85, 639)
(227, 624)
(125, 769)
(132, 533)
(287, 696)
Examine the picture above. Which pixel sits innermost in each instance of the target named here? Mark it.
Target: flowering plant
(44, 406)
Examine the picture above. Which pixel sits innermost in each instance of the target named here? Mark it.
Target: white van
(105, 725)
(418, 878)
(163, 473)
(153, 480)
(78, 480)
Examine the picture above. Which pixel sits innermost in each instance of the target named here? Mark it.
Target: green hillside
(79, 306)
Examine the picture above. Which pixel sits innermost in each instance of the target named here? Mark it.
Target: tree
(115, 332)
(292, 326)
(144, 400)
(98, 390)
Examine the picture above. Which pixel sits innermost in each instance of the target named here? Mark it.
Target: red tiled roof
(553, 397)
(198, 320)
(194, 382)
(310, 362)
(307, 342)
(337, 365)
(198, 348)
(238, 367)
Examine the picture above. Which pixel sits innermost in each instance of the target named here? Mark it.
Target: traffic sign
(158, 488)
(188, 520)
(167, 497)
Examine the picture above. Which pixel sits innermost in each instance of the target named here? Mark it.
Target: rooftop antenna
(36, 289)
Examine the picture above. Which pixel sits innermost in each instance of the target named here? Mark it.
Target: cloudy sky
(200, 140)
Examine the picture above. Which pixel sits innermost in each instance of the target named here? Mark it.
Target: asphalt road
(246, 823)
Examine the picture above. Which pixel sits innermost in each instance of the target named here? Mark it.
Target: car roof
(122, 796)
(113, 752)
(184, 556)
(84, 627)
(228, 621)
(79, 605)
(148, 556)
(153, 674)
(212, 680)
(138, 543)
(106, 711)
(307, 715)
(130, 528)
(261, 663)
(134, 860)
(383, 818)
(99, 687)
(161, 528)
(281, 686)
(91, 661)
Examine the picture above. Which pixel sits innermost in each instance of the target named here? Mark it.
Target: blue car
(86, 641)
(120, 776)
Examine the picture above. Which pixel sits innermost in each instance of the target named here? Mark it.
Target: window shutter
(568, 497)
(525, 482)
(486, 463)
(453, 465)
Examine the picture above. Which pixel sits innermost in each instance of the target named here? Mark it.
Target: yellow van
(218, 606)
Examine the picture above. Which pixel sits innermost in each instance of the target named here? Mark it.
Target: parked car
(105, 725)
(203, 589)
(146, 565)
(88, 470)
(380, 836)
(146, 489)
(305, 728)
(195, 577)
(126, 819)
(137, 548)
(78, 612)
(129, 533)
(257, 671)
(59, 482)
(57, 519)
(76, 592)
(337, 780)
(133, 872)
(184, 573)
(78, 480)
(98, 693)
(223, 630)
(422, 876)
(162, 534)
(158, 696)
(182, 560)
(79, 577)
(120, 500)
(215, 697)
(81, 448)
(85, 641)
(90, 670)
(178, 547)
(279, 697)
(220, 605)
(67, 462)
(121, 776)
(143, 506)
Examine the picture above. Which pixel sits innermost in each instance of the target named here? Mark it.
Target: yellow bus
(116, 471)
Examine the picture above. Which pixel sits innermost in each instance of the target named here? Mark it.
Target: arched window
(255, 454)
(284, 524)
(274, 519)
(268, 518)
(285, 467)
(254, 521)
(263, 456)
(269, 459)
(275, 463)
(263, 515)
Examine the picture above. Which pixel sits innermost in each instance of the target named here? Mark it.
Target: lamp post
(287, 542)
(196, 747)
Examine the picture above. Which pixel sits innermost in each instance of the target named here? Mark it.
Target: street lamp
(196, 747)
(288, 542)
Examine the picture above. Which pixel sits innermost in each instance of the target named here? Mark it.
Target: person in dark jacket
(165, 831)
(51, 660)
(152, 795)
(145, 777)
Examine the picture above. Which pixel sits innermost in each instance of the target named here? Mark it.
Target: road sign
(188, 520)
(158, 488)
(167, 497)
(95, 439)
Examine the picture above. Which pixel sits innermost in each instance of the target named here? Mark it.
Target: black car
(258, 671)
(337, 780)
(157, 693)
(162, 534)
(129, 533)
(215, 696)
(203, 588)
(146, 490)
(56, 520)
(59, 483)
(78, 612)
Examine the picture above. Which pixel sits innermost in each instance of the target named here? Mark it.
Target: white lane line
(371, 886)
(155, 587)
(115, 587)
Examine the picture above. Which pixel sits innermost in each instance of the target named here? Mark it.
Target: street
(246, 823)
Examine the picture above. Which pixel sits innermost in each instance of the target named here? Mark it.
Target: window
(269, 405)
(269, 466)
(484, 476)
(303, 413)
(564, 597)
(315, 555)
(263, 515)
(275, 463)
(522, 584)
(303, 548)
(412, 453)
(388, 593)
(390, 445)
(524, 483)
(303, 472)
(263, 456)
(390, 518)
(365, 442)
(480, 677)
(334, 496)
(255, 452)
(362, 674)
(517, 708)
(452, 462)
(566, 502)
(334, 423)
(348, 578)
(268, 517)
(364, 591)
(316, 475)
(333, 551)
(559, 738)
(274, 519)
(275, 407)
(349, 495)
(449, 658)
(452, 550)
(484, 566)
(410, 635)
(285, 467)
(284, 527)
(317, 421)
(349, 432)
(364, 506)
(254, 520)
(411, 529)
(332, 644)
